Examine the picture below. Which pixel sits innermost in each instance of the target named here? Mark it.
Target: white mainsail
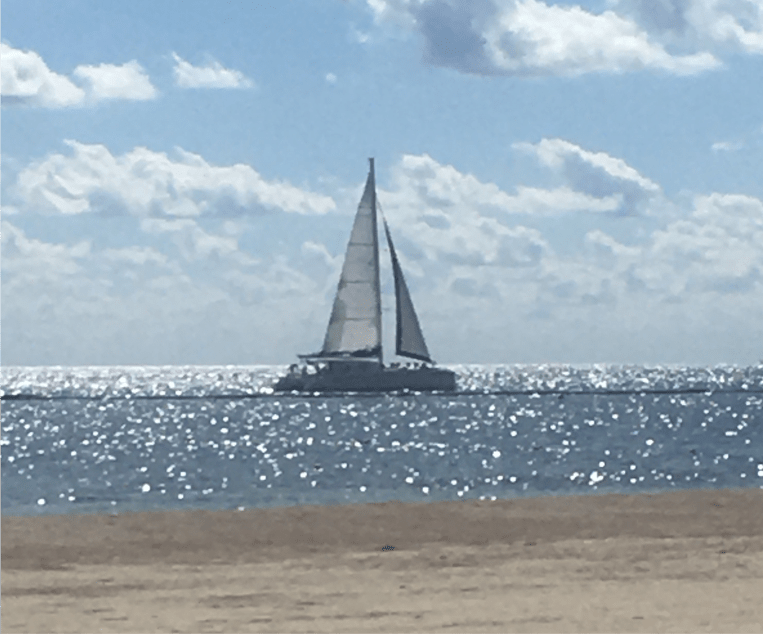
(355, 324)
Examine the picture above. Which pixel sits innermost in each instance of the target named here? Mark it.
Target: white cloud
(361, 37)
(400, 12)
(452, 215)
(330, 78)
(439, 195)
(10, 210)
(536, 38)
(557, 153)
(735, 25)
(727, 146)
(72, 304)
(146, 183)
(319, 253)
(609, 251)
(529, 37)
(461, 225)
(109, 81)
(716, 248)
(735, 213)
(29, 259)
(135, 255)
(192, 241)
(722, 257)
(550, 202)
(278, 280)
(213, 75)
(594, 173)
(27, 80)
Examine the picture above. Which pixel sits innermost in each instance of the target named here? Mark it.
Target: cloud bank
(522, 274)
(534, 38)
(145, 183)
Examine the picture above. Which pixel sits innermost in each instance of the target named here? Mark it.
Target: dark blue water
(190, 448)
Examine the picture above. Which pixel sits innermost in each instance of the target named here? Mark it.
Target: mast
(377, 280)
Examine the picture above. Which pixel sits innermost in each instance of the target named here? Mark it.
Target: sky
(565, 183)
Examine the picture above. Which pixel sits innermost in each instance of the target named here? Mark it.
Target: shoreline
(578, 562)
(414, 523)
(282, 497)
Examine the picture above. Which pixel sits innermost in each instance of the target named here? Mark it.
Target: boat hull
(370, 379)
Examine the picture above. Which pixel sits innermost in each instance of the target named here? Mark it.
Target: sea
(116, 439)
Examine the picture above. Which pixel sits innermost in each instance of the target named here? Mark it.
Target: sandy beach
(683, 562)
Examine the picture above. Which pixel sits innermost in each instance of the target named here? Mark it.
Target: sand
(684, 562)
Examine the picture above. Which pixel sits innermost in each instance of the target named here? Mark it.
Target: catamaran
(351, 359)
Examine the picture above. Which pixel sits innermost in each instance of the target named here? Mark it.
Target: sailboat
(351, 359)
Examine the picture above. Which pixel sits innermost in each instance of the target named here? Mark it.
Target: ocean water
(113, 439)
